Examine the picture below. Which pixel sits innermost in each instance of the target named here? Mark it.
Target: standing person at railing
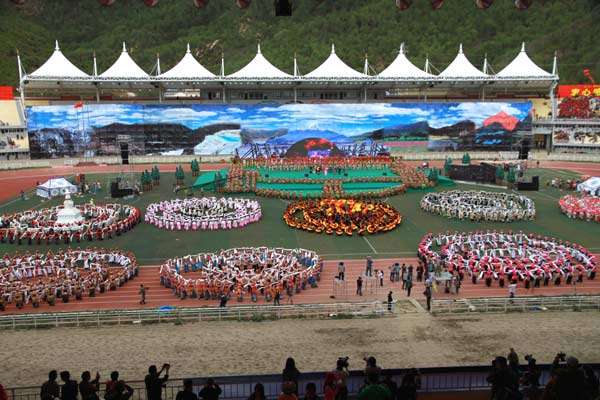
(188, 391)
(210, 391)
(88, 390)
(110, 384)
(258, 393)
(154, 383)
(50, 389)
(291, 374)
(68, 390)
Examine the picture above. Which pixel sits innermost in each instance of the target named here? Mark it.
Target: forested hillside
(356, 27)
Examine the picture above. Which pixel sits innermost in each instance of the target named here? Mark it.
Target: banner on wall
(578, 90)
(576, 137)
(97, 130)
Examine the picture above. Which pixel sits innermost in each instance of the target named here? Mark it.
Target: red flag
(79, 105)
(586, 72)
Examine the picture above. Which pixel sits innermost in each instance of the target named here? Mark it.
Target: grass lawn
(152, 245)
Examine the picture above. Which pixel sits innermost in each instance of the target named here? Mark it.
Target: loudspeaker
(283, 8)
(524, 150)
(124, 153)
(266, 175)
(535, 181)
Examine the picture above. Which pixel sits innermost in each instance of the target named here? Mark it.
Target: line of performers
(203, 213)
(320, 165)
(477, 205)
(584, 207)
(48, 234)
(64, 275)
(507, 257)
(240, 272)
(341, 216)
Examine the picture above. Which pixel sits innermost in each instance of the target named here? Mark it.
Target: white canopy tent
(58, 66)
(188, 68)
(523, 67)
(333, 68)
(124, 67)
(462, 69)
(591, 186)
(402, 68)
(55, 187)
(259, 67)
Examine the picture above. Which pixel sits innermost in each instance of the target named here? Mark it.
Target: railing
(433, 380)
(197, 314)
(517, 304)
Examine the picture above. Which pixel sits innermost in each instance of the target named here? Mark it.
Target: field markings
(370, 245)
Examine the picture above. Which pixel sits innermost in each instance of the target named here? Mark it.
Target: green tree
(500, 173)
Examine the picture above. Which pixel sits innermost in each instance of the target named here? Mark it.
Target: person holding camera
(568, 380)
(154, 382)
(210, 391)
(530, 381)
(341, 375)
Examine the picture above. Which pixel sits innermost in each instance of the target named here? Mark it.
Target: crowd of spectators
(508, 379)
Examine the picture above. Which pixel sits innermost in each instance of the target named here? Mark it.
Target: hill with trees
(375, 27)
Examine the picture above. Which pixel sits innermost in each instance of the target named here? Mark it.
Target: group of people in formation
(507, 257)
(584, 207)
(323, 166)
(64, 275)
(203, 213)
(242, 272)
(341, 216)
(39, 226)
(477, 205)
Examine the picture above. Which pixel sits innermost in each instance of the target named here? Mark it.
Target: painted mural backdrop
(95, 130)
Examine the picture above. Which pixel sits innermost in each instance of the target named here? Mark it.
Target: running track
(126, 297)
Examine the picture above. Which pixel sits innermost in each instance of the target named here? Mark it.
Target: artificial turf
(153, 245)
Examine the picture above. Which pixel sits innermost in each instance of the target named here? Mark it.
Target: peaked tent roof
(58, 65)
(334, 67)
(259, 67)
(461, 67)
(523, 66)
(401, 67)
(188, 67)
(124, 67)
(56, 183)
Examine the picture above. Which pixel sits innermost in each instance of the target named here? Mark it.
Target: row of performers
(214, 289)
(34, 236)
(332, 163)
(69, 282)
(585, 207)
(96, 216)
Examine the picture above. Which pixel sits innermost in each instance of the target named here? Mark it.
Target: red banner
(578, 90)
(6, 93)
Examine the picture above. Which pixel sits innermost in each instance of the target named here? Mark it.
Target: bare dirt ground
(204, 349)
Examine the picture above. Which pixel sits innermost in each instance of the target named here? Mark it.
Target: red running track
(126, 297)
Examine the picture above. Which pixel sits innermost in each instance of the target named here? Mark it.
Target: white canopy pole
(21, 84)
(223, 75)
(96, 83)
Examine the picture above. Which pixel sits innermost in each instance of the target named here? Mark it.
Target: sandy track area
(204, 349)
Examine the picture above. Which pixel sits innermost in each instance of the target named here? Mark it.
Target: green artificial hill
(356, 27)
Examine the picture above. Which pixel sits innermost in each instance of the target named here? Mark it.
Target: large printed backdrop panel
(99, 129)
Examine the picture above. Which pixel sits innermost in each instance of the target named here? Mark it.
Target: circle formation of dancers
(341, 216)
(241, 272)
(38, 278)
(101, 221)
(477, 205)
(206, 213)
(585, 207)
(507, 257)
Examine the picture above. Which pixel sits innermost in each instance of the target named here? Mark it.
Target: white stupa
(69, 214)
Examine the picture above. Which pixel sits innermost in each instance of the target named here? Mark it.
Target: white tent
(58, 66)
(461, 68)
(402, 68)
(55, 187)
(188, 68)
(591, 186)
(334, 68)
(523, 67)
(124, 67)
(259, 67)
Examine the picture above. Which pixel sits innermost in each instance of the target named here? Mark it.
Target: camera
(561, 356)
(342, 362)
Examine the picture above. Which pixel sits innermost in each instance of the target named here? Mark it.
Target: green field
(152, 245)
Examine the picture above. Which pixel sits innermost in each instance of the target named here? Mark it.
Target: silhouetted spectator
(258, 393)
(50, 389)
(210, 391)
(291, 374)
(411, 382)
(570, 382)
(88, 389)
(119, 391)
(505, 383)
(311, 392)
(68, 390)
(114, 378)
(154, 383)
(188, 391)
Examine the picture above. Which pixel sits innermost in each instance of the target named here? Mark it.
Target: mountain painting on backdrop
(97, 129)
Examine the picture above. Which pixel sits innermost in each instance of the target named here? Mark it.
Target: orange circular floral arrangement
(341, 216)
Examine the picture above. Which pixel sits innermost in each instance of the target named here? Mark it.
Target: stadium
(388, 196)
